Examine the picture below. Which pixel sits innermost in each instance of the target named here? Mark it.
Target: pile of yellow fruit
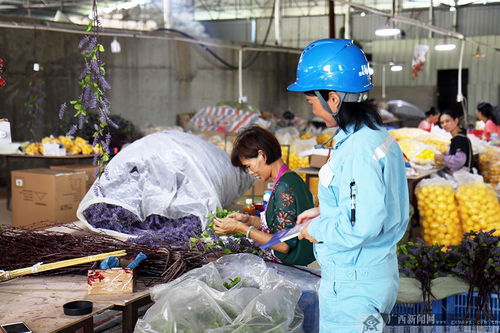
(323, 138)
(313, 187)
(74, 147)
(489, 165)
(297, 162)
(417, 152)
(440, 145)
(479, 207)
(306, 136)
(439, 213)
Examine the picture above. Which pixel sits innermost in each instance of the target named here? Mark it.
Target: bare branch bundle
(20, 248)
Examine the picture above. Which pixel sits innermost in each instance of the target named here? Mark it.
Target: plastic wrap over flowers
(258, 300)
(170, 174)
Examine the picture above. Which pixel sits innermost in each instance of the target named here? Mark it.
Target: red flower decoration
(2, 82)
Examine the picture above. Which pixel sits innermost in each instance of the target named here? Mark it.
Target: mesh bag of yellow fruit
(478, 205)
(489, 165)
(438, 212)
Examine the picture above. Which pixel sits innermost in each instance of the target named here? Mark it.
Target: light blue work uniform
(358, 259)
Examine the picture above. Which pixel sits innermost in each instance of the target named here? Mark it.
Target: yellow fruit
(439, 214)
(480, 209)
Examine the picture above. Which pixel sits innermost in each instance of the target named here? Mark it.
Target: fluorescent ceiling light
(445, 47)
(386, 32)
(396, 68)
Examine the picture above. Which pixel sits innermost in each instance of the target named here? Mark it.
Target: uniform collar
(343, 135)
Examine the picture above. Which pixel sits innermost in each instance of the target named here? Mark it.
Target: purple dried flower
(112, 123)
(81, 121)
(90, 46)
(62, 109)
(84, 41)
(103, 83)
(72, 130)
(85, 70)
(108, 139)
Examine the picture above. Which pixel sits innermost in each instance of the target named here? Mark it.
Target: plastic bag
(198, 301)
(418, 152)
(171, 174)
(439, 212)
(489, 165)
(478, 204)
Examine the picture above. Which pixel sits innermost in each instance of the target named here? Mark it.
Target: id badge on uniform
(326, 175)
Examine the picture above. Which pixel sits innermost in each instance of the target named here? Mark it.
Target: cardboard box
(110, 281)
(42, 197)
(89, 170)
(317, 161)
(257, 190)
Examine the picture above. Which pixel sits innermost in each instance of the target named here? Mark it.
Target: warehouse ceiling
(149, 14)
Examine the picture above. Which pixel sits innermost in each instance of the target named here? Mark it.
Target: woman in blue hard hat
(362, 191)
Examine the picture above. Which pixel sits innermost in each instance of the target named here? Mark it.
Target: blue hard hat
(332, 64)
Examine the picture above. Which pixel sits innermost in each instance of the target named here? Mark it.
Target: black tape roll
(77, 308)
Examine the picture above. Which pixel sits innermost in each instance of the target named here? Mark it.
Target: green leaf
(101, 47)
(73, 102)
(89, 26)
(105, 157)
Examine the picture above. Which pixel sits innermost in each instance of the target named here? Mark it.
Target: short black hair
(486, 109)
(454, 113)
(252, 139)
(432, 112)
(357, 114)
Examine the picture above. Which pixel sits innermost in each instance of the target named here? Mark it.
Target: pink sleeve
(491, 127)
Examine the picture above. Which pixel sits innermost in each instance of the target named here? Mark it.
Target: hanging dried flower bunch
(93, 95)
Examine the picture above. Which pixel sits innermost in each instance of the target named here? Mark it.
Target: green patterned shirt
(290, 198)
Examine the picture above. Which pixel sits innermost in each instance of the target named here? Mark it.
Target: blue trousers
(353, 299)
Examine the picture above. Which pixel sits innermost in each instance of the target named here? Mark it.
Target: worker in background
(363, 192)
(485, 113)
(258, 152)
(459, 155)
(431, 119)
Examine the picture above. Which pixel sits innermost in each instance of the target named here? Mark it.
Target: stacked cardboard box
(42, 197)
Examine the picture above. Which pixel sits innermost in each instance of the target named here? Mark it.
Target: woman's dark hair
(489, 112)
(357, 114)
(454, 113)
(486, 109)
(252, 139)
(432, 112)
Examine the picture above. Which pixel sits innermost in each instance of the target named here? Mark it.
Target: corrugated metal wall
(299, 31)
(484, 73)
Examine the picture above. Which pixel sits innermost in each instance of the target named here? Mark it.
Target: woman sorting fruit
(258, 152)
(459, 154)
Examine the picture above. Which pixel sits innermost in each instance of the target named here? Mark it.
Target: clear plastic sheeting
(171, 174)
(198, 301)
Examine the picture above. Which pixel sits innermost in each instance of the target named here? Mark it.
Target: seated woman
(485, 113)
(431, 118)
(459, 154)
(258, 152)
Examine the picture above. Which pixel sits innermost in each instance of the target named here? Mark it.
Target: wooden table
(38, 301)
(76, 159)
